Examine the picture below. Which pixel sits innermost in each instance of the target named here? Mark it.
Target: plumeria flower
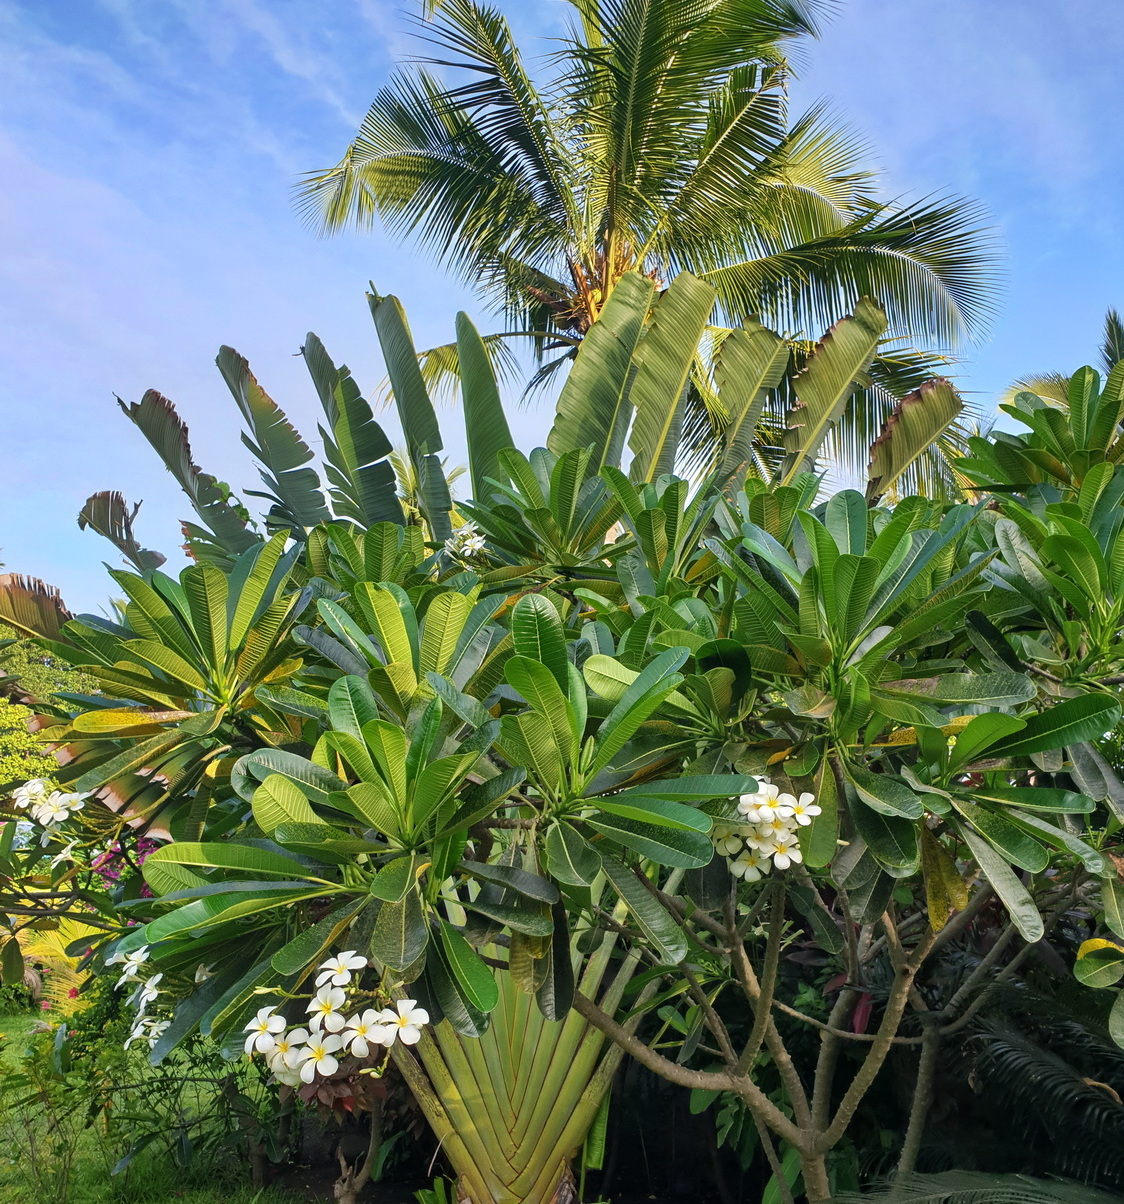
(784, 851)
(728, 839)
(63, 855)
(49, 811)
(145, 993)
(154, 1030)
(325, 1010)
(31, 792)
(769, 828)
(319, 1059)
(337, 970)
(202, 973)
(778, 806)
(288, 1050)
(364, 1030)
(405, 1024)
(805, 810)
(750, 865)
(263, 1030)
(130, 963)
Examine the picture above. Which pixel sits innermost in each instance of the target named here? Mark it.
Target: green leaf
(400, 934)
(283, 454)
(484, 421)
(675, 847)
(363, 485)
(979, 734)
(593, 409)
(892, 840)
(520, 881)
(662, 812)
(1073, 721)
(206, 590)
(555, 996)
(699, 787)
(1006, 884)
(277, 801)
(533, 922)
(1004, 836)
(536, 633)
(662, 362)
(1037, 798)
(447, 999)
(1116, 1020)
(752, 361)
(224, 855)
(882, 793)
(1112, 900)
(475, 980)
(351, 704)
(308, 945)
(823, 388)
(666, 937)
(11, 963)
(314, 780)
(569, 857)
(1099, 964)
(912, 427)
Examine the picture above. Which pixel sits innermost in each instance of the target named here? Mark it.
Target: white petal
(409, 1034)
(359, 1047)
(327, 1065)
(308, 1071)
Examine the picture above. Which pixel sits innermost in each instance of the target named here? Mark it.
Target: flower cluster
(46, 806)
(768, 837)
(145, 991)
(465, 542)
(298, 1055)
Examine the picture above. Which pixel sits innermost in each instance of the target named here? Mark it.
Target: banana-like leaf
(485, 424)
(31, 606)
(834, 370)
(109, 515)
(362, 480)
(663, 361)
(911, 427)
(225, 532)
(751, 362)
(593, 408)
(293, 488)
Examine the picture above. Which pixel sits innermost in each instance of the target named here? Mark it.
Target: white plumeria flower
(131, 963)
(750, 804)
(805, 810)
(750, 865)
(769, 828)
(405, 1024)
(728, 839)
(155, 1031)
(319, 1059)
(779, 806)
(31, 792)
(72, 802)
(288, 1050)
(365, 1030)
(325, 1010)
(784, 851)
(63, 855)
(337, 970)
(145, 993)
(473, 545)
(50, 811)
(263, 1030)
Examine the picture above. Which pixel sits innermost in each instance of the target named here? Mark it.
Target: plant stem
(922, 1098)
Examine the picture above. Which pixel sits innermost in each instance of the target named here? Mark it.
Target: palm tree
(660, 141)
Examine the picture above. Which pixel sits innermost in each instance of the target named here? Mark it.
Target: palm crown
(660, 141)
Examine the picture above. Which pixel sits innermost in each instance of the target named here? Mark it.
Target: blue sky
(148, 147)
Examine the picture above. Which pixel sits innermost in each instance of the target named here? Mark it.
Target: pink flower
(45, 1005)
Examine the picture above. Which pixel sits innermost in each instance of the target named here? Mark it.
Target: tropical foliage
(575, 781)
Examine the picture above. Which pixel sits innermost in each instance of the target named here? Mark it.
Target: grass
(71, 1164)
